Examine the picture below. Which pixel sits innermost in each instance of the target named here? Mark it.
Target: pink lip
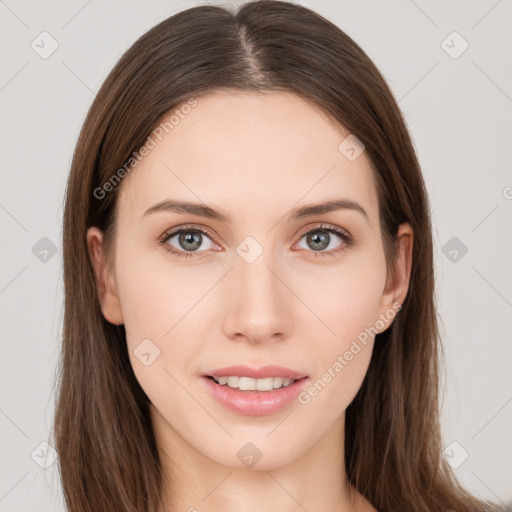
(255, 403)
(259, 373)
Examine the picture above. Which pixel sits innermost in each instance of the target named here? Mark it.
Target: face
(269, 283)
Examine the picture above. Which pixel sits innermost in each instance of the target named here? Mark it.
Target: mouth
(254, 392)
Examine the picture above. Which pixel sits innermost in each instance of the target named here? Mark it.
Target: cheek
(159, 304)
(348, 305)
(342, 358)
(346, 299)
(166, 317)
(159, 298)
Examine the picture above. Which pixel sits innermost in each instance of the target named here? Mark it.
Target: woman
(249, 292)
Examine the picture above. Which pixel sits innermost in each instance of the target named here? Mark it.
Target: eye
(186, 241)
(322, 243)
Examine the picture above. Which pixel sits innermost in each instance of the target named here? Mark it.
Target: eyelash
(346, 238)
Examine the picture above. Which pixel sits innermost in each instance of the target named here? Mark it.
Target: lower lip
(254, 403)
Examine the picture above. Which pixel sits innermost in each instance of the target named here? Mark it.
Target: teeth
(246, 384)
(250, 384)
(278, 382)
(263, 384)
(233, 382)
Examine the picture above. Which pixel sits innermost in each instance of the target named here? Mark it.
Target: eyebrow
(202, 210)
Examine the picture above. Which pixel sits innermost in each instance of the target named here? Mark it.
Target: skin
(256, 157)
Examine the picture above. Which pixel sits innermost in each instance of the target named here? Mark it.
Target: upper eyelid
(175, 231)
(328, 227)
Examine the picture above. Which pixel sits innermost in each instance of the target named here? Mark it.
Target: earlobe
(107, 293)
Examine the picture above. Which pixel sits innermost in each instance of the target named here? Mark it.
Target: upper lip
(256, 373)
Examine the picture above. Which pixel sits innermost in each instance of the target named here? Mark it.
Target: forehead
(250, 153)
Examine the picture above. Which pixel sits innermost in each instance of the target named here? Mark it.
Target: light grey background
(458, 111)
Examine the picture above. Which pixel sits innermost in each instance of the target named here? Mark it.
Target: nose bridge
(259, 298)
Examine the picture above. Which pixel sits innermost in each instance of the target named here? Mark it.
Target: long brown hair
(108, 456)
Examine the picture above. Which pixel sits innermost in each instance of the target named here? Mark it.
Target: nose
(259, 303)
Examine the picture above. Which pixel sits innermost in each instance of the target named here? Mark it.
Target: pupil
(190, 238)
(319, 240)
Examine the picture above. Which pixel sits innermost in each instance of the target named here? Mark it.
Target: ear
(107, 293)
(397, 285)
